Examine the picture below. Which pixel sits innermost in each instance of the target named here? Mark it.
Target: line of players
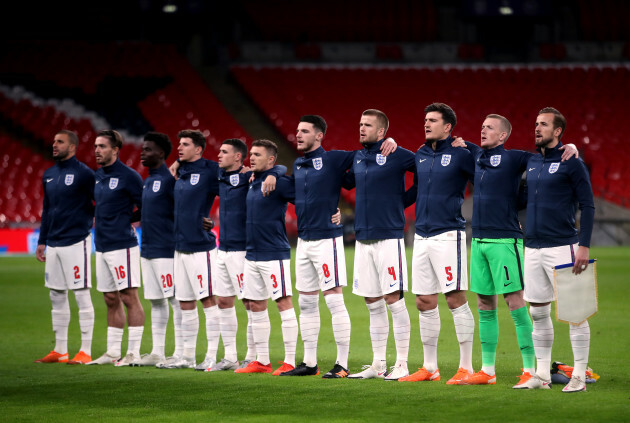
(253, 264)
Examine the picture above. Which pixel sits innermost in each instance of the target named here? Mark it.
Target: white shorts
(320, 264)
(157, 278)
(230, 265)
(380, 267)
(539, 272)
(117, 270)
(69, 267)
(267, 279)
(440, 263)
(195, 275)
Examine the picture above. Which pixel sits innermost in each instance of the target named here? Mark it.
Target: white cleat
(576, 384)
(180, 363)
(207, 364)
(168, 361)
(150, 360)
(104, 359)
(370, 372)
(223, 365)
(397, 371)
(534, 382)
(130, 360)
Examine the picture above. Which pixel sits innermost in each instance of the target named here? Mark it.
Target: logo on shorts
(380, 159)
(194, 179)
(554, 167)
(113, 183)
(446, 159)
(356, 283)
(451, 283)
(156, 185)
(234, 180)
(276, 291)
(495, 160)
(318, 163)
(46, 276)
(69, 179)
(391, 285)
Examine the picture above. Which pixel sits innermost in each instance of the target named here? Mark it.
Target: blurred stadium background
(250, 69)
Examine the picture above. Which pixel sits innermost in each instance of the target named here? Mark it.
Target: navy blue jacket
(266, 228)
(318, 177)
(158, 233)
(441, 177)
(117, 190)
(68, 211)
(554, 190)
(233, 187)
(380, 198)
(195, 190)
(498, 174)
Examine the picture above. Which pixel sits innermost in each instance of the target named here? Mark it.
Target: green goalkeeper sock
(523, 324)
(489, 336)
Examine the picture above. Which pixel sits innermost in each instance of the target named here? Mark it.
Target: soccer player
(65, 245)
(267, 261)
(380, 264)
(117, 190)
(554, 189)
(158, 245)
(439, 251)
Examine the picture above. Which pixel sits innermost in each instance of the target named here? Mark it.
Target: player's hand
(40, 253)
(569, 151)
(174, 168)
(269, 185)
(207, 224)
(458, 142)
(245, 169)
(581, 260)
(388, 146)
(336, 218)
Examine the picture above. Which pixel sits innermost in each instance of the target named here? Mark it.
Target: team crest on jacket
(194, 179)
(113, 183)
(446, 159)
(495, 160)
(69, 179)
(554, 167)
(234, 180)
(318, 163)
(380, 159)
(156, 185)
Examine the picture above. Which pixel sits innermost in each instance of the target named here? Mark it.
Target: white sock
(86, 318)
(114, 341)
(261, 328)
(379, 330)
(190, 328)
(309, 326)
(341, 326)
(159, 320)
(542, 336)
(229, 325)
(177, 325)
(429, 333)
(289, 334)
(135, 339)
(60, 319)
(251, 345)
(465, 330)
(402, 329)
(580, 340)
(213, 330)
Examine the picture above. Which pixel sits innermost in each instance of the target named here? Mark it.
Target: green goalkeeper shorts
(496, 266)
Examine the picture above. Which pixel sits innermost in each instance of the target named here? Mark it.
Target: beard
(543, 142)
(60, 156)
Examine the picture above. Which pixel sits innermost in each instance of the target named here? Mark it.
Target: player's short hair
(196, 136)
(381, 117)
(270, 146)
(559, 121)
(238, 145)
(114, 137)
(161, 140)
(505, 124)
(317, 121)
(72, 136)
(448, 114)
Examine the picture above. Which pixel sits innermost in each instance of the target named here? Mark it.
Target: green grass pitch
(61, 393)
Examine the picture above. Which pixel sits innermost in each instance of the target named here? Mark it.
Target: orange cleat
(255, 367)
(80, 358)
(53, 357)
(459, 377)
(480, 378)
(284, 368)
(421, 375)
